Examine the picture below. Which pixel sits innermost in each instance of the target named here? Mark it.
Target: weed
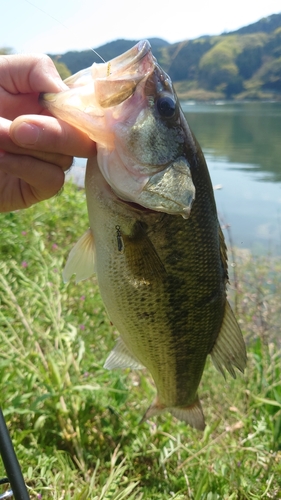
(75, 426)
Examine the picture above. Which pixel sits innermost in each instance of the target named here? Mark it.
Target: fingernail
(25, 133)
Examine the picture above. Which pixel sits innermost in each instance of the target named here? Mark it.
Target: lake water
(242, 146)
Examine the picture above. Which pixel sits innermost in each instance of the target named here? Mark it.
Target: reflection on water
(242, 145)
(250, 206)
(245, 134)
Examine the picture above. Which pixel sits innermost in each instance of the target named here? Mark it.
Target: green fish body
(154, 239)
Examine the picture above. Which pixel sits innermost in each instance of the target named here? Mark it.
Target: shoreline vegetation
(202, 95)
(75, 425)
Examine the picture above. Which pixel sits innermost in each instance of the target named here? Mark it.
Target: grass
(75, 426)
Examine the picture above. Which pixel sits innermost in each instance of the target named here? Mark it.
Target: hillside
(245, 64)
(75, 61)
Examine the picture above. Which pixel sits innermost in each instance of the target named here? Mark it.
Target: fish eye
(166, 107)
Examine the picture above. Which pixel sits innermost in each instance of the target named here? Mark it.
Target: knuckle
(66, 162)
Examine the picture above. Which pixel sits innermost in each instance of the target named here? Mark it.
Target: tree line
(245, 64)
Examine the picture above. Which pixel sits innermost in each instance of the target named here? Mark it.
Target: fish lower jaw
(136, 206)
(184, 212)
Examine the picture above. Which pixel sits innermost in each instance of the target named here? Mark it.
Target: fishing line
(66, 27)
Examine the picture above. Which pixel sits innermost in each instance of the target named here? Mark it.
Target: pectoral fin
(120, 357)
(229, 350)
(81, 259)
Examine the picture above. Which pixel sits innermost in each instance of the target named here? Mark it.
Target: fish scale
(174, 304)
(154, 241)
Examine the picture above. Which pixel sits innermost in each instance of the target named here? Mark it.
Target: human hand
(35, 149)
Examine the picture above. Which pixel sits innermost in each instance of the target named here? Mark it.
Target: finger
(28, 73)
(40, 180)
(45, 133)
(7, 144)
(12, 105)
(23, 77)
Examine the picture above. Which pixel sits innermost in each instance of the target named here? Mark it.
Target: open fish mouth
(123, 75)
(130, 59)
(104, 84)
(129, 108)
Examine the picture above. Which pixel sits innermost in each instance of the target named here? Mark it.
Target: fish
(154, 242)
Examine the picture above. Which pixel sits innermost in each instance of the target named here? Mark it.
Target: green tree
(250, 58)
(270, 75)
(218, 69)
(273, 46)
(4, 51)
(62, 68)
(184, 58)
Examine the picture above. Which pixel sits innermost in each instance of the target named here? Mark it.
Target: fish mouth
(118, 80)
(106, 101)
(129, 61)
(95, 89)
(108, 83)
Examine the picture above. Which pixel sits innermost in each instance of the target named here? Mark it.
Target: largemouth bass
(154, 239)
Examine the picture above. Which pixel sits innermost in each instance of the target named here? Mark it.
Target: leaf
(271, 402)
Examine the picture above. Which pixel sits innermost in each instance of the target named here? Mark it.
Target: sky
(56, 26)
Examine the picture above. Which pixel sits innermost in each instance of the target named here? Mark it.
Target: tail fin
(192, 414)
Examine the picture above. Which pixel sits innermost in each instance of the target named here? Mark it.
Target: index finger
(46, 133)
(29, 73)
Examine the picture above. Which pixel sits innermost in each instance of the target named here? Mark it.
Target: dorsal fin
(223, 253)
(229, 350)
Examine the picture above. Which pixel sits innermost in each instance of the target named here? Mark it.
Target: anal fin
(120, 357)
(229, 350)
(81, 259)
